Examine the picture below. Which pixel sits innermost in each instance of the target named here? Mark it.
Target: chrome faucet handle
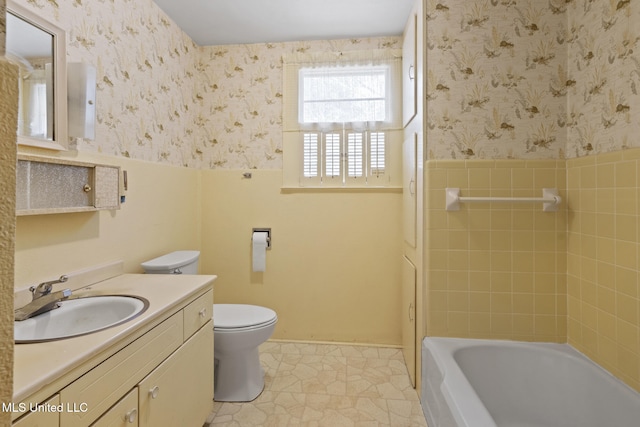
(42, 304)
(65, 293)
(44, 288)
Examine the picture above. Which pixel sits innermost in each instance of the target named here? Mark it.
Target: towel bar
(550, 199)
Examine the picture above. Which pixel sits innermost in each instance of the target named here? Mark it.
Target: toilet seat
(241, 317)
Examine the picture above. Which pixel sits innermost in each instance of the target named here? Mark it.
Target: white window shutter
(377, 153)
(355, 154)
(311, 155)
(355, 160)
(332, 156)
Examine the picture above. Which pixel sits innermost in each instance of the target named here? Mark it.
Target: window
(341, 116)
(344, 94)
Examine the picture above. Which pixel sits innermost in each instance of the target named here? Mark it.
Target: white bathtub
(486, 383)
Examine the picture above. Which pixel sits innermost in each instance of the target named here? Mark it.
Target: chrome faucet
(42, 300)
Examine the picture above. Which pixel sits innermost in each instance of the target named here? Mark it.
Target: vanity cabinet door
(179, 392)
(122, 414)
(103, 386)
(41, 419)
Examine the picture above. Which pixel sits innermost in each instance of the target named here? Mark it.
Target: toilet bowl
(238, 331)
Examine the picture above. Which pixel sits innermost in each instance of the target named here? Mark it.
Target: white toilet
(179, 262)
(238, 330)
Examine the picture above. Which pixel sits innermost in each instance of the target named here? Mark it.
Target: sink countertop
(41, 369)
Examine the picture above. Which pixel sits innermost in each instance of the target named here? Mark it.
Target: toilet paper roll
(259, 251)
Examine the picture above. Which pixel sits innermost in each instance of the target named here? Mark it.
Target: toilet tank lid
(173, 260)
(233, 316)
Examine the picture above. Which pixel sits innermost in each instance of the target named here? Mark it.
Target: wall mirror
(38, 48)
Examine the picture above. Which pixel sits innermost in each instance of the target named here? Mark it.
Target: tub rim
(443, 351)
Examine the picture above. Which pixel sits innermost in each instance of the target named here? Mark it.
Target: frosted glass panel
(53, 186)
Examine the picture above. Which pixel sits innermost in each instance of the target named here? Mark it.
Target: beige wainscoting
(333, 271)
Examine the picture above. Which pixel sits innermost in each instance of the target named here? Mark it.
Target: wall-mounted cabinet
(55, 185)
(409, 189)
(414, 51)
(409, 86)
(409, 317)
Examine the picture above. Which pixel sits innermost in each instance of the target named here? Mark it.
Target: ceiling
(219, 22)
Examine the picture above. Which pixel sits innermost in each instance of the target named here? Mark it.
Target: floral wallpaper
(148, 76)
(497, 79)
(242, 99)
(161, 98)
(519, 79)
(603, 39)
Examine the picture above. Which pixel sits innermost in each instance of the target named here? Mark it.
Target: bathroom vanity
(154, 370)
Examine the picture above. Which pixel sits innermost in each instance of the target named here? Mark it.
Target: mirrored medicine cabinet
(38, 48)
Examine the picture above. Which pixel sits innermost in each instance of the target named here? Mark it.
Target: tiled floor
(327, 385)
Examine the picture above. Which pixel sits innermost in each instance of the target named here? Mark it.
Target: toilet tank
(179, 262)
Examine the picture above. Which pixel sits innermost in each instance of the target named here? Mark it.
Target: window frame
(296, 150)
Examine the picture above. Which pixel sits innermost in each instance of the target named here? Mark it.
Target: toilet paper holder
(264, 230)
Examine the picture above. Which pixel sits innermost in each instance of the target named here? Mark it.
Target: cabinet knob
(86, 188)
(203, 312)
(154, 392)
(130, 417)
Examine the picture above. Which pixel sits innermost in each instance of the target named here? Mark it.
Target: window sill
(324, 189)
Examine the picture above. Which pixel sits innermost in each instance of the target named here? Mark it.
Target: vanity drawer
(197, 314)
(104, 385)
(37, 419)
(123, 413)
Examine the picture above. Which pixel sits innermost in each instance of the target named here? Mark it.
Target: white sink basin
(79, 317)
